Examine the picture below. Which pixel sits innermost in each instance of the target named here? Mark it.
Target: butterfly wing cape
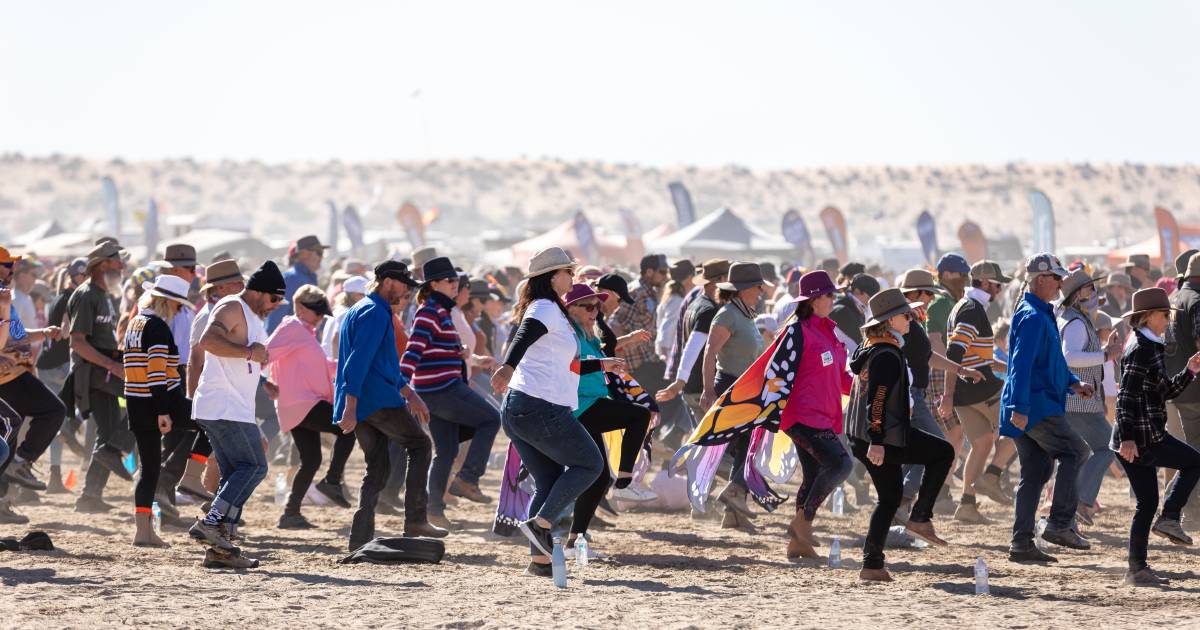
(513, 507)
(622, 386)
(752, 405)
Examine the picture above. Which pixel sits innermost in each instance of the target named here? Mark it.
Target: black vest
(896, 409)
(1182, 344)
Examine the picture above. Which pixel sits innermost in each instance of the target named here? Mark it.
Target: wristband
(249, 353)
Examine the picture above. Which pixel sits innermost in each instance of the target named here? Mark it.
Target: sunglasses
(7, 265)
(589, 306)
(275, 299)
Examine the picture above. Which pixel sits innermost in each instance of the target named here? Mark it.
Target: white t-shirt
(466, 332)
(550, 368)
(332, 326)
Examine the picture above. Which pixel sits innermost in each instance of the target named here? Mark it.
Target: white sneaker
(634, 494)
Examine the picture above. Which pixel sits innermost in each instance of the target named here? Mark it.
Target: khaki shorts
(979, 419)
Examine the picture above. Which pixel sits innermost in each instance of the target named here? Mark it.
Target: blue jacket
(368, 364)
(293, 279)
(1038, 378)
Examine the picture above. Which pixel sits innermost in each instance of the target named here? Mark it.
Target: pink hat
(582, 292)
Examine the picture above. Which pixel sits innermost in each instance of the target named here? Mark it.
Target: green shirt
(745, 343)
(90, 311)
(593, 386)
(939, 314)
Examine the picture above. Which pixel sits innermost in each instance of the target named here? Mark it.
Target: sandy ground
(665, 571)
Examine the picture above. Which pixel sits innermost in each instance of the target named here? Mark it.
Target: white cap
(355, 284)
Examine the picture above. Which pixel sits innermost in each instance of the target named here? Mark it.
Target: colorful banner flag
(150, 230)
(585, 236)
(1168, 235)
(353, 225)
(633, 227)
(974, 244)
(111, 208)
(795, 231)
(685, 212)
(332, 234)
(414, 226)
(927, 233)
(1043, 222)
(835, 228)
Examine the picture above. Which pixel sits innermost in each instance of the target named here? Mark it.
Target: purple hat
(814, 284)
(582, 292)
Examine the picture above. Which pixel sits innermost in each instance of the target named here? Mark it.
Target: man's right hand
(117, 370)
(1019, 420)
(348, 421)
(258, 353)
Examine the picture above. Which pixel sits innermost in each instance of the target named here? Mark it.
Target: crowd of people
(907, 384)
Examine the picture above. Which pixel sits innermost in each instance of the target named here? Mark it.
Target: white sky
(764, 84)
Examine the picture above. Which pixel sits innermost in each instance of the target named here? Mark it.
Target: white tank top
(228, 385)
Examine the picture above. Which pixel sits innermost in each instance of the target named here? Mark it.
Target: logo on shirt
(826, 359)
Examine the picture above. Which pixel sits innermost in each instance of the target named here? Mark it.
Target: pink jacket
(301, 370)
(821, 379)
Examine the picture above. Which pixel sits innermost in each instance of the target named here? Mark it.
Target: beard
(112, 282)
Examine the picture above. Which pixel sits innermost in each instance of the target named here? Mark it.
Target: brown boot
(925, 532)
(733, 520)
(144, 535)
(875, 575)
(800, 539)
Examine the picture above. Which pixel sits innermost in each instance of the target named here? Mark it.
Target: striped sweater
(151, 363)
(433, 358)
(971, 344)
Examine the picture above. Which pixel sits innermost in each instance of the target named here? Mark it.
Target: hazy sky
(764, 84)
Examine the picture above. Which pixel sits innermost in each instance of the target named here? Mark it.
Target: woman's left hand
(875, 454)
(1128, 450)
(970, 374)
(164, 424)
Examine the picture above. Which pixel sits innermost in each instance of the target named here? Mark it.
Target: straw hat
(169, 287)
(549, 259)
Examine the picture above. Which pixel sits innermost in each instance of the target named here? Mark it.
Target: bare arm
(194, 370)
(220, 338)
(85, 350)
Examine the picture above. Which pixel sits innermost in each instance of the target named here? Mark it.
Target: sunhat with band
(743, 275)
(1150, 300)
(887, 304)
(814, 284)
(549, 259)
(580, 292)
(919, 280)
(171, 288)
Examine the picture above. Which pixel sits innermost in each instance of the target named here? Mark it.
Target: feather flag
(1043, 221)
(112, 208)
(633, 226)
(927, 234)
(795, 231)
(410, 219)
(835, 228)
(974, 245)
(354, 227)
(1168, 235)
(332, 233)
(685, 212)
(586, 236)
(150, 229)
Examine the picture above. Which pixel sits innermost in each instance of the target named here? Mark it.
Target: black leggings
(307, 437)
(1143, 478)
(932, 452)
(149, 448)
(603, 416)
(739, 446)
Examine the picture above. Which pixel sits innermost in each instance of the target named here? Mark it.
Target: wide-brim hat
(1192, 268)
(1075, 282)
(713, 269)
(919, 280)
(171, 288)
(743, 275)
(1149, 300)
(439, 268)
(887, 304)
(1119, 279)
(814, 284)
(581, 292)
(548, 260)
(222, 271)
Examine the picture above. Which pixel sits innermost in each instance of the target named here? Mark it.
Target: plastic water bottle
(280, 489)
(981, 577)
(581, 552)
(835, 553)
(1037, 533)
(156, 517)
(839, 501)
(558, 562)
(130, 463)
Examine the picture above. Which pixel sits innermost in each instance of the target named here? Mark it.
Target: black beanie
(267, 279)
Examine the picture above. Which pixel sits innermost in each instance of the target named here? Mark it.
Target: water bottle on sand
(1037, 533)
(558, 562)
(581, 552)
(835, 553)
(981, 577)
(156, 517)
(839, 501)
(280, 489)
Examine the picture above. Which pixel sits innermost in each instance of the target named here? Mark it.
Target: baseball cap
(616, 284)
(1045, 263)
(954, 263)
(355, 284)
(990, 270)
(77, 267)
(6, 257)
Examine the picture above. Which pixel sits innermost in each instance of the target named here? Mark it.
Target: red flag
(835, 227)
(973, 242)
(414, 225)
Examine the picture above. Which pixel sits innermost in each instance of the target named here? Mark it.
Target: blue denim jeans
(1096, 431)
(450, 409)
(239, 451)
(1049, 440)
(555, 448)
(824, 464)
(919, 418)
